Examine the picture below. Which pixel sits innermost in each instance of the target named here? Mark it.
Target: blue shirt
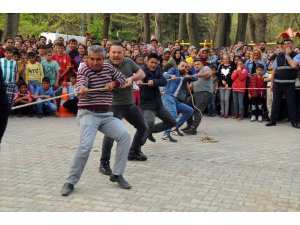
(40, 91)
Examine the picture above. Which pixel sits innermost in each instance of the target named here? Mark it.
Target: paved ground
(250, 167)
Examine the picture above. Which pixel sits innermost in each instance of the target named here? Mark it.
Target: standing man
(283, 79)
(94, 114)
(4, 107)
(203, 91)
(123, 106)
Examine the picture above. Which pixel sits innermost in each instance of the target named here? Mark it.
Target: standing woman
(4, 107)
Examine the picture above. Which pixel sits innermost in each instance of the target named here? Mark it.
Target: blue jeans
(47, 106)
(212, 106)
(238, 102)
(89, 123)
(33, 86)
(174, 107)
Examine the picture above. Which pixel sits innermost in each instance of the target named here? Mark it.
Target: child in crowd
(212, 105)
(51, 69)
(64, 63)
(22, 65)
(10, 74)
(239, 78)
(257, 94)
(22, 97)
(45, 92)
(224, 76)
(83, 61)
(212, 58)
(71, 104)
(34, 73)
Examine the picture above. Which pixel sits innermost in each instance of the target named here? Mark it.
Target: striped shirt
(9, 69)
(97, 79)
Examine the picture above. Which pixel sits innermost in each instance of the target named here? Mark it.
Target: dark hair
(263, 42)
(42, 37)
(213, 67)
(259, 66)
(241, 60)
(73, 40)
(167, 67)
(31, 55)
(46, 80)
(138, 56)
(23, 52)
(73, 75)
(8, 38)
(288, 40)
(60, 44)
(117, 44)
(21, 83)
(8, 50)
(152, 55)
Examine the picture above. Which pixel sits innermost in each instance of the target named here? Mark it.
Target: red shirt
(64, 62)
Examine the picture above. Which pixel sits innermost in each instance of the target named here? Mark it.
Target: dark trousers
(4, 113)
(288, 89)
(28, 110)
(167, 120)
(257, 106)
(201, 100)
(133, 115)
(71, 105)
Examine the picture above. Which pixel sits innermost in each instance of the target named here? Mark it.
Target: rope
(50, 99)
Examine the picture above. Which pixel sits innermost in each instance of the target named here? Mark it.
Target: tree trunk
(83, 17)
(223, 30)
(191, 20)
(251, 28)
(11, 24)
(182, 30)
(261, 26)
(106, 22)
(241, 27)
(146, 27)
(158, 23)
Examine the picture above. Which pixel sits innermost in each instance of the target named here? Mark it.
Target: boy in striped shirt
(10, 74)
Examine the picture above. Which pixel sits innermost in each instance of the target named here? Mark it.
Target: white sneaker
(260, 118)
(253, 118)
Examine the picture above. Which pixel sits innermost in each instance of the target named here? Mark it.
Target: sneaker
(170, 138)
(260, 119)
(191, 131)
(271, 124)
(253, 118)
(177, 132)
(105, 168)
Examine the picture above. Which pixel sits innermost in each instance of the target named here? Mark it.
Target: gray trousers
(225, 98)
(89, 123)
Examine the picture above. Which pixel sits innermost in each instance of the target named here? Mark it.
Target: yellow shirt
(22, 69)
(34, 72)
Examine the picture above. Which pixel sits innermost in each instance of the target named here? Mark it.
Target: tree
(146, 27)
(106, 22)
(158, 26)
(222, 37)
(251, 28)
(191, 20)
(241, 27)
(182, 30)
(11, 24)
(261, 25)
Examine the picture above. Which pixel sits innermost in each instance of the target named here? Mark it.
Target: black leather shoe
(191, 131)
(295, 125)
(177, 132)
(120, 180)
(186, 128)
(151, 138)
(105, 168)
(270, 124)
(137, 156)
(67, 189)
